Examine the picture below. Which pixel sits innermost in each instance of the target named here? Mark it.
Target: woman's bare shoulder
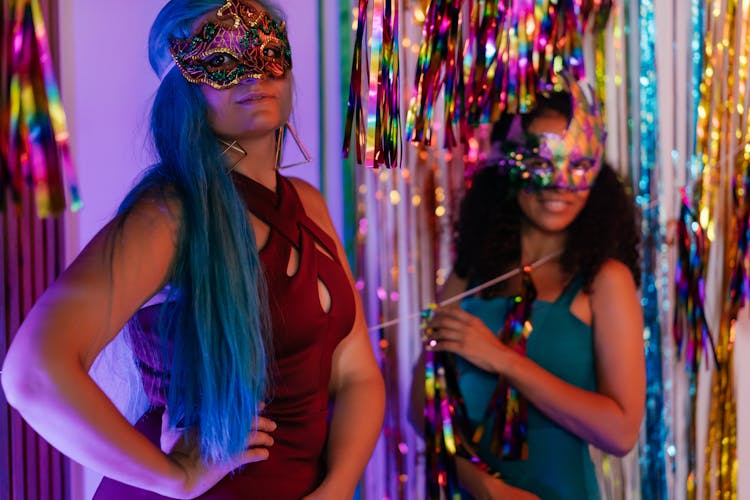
(314, 203)
(613, 277)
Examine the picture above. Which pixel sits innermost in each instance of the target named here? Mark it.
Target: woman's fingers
(448, 345)
(259, 439)
(446, 334)
(265, 424)
(452, 318)
(257, 448)
(453, 312)
(446, 323)
(260, 434)
(254, 455)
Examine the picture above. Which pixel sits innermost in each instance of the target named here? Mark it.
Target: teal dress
(558, 465)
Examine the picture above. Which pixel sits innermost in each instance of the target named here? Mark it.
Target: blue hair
(214, 330)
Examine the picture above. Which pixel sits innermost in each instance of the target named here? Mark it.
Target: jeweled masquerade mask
(570, 161)
(244, 42)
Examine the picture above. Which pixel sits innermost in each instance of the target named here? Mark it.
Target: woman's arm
(609, 418)
(45, 374)
(355, 381)
(358, 414)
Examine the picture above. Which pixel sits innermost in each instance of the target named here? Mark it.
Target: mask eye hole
(582, 165)
(538, 166)
(272, 52)
(540, 172)
(219, 61)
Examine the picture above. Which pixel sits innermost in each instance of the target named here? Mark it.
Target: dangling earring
(280, 141)
(234, 146)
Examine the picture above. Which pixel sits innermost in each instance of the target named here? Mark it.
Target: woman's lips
(555, 205)
(253, 98)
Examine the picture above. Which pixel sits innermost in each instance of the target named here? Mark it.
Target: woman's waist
(298, 437)
(297, 384)
(546, 447)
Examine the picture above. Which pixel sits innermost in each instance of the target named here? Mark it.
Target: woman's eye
(219, 61)
(538, 166)
(582, 165)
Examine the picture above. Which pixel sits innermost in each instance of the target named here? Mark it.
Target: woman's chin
(552, 223)
(257, 131)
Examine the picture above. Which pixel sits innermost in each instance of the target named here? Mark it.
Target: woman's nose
(250, 81)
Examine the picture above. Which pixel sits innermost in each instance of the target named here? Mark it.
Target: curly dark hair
(488, 230)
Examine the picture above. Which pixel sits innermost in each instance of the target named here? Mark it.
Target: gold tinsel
(720, 149)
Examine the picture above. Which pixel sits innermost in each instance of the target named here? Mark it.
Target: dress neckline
(258, 189)
(568, 293)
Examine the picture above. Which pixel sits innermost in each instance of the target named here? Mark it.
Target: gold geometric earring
(234, 146)
(280, 141)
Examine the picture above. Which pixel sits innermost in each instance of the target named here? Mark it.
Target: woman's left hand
(454, 330)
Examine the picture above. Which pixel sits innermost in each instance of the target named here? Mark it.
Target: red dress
(304, 338)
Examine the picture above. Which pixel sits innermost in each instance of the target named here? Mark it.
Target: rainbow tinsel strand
(719, 203)
(493, 62)
(378, 138)
(508, 409)
(510, 49)
(448, 432)
(649, 187)
(690, 328)
(34, 134)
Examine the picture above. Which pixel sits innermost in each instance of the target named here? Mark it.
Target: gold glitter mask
(244, 42)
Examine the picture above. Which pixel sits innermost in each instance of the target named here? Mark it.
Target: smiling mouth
(553, 205)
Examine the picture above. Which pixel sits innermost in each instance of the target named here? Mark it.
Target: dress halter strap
(570, 291)
(282, 210)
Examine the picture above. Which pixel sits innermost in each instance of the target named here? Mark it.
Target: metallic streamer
(511, 49)
(508, 407)
(720, 201)
(497, 63)
(378, 138)
(436, 66)
(348, 187)
(449, 432)
(34, 133)
(690, 329)
(720, 474)
(355, 119)
(653, 464)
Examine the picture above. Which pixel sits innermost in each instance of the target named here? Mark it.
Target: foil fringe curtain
(33, 133)
(468, 60)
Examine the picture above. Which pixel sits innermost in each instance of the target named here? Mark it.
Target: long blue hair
(214, 326)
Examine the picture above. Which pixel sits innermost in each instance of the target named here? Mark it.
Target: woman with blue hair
(239, 305)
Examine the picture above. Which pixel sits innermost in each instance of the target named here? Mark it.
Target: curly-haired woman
(580, 377)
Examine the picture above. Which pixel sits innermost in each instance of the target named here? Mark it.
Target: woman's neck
(537, 243)
(260, 161)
